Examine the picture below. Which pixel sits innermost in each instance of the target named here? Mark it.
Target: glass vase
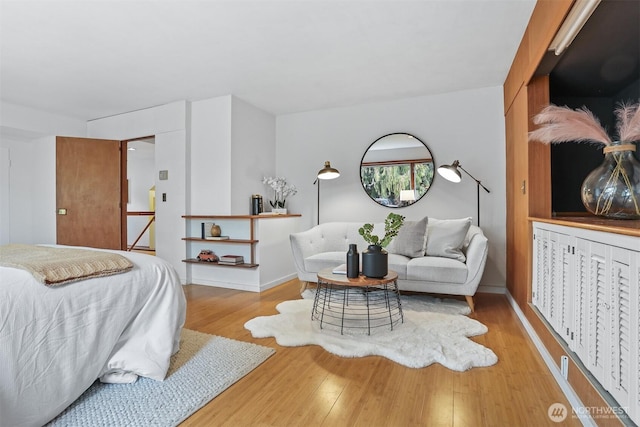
(612, 190)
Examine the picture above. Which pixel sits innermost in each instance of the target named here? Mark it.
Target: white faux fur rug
(434, 331)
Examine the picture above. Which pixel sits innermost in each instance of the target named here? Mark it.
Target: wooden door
(517, 201)
(528, 185)
(88, 192)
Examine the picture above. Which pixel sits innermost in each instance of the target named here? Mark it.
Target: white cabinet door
(552, 271)
(581, 299)
(541, 279)
(554, 285)
(564, 287)
(599, 313)
(624, 326)
(634, 286)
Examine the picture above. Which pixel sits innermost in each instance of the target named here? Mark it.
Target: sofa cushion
(437, 269)
(445, 237)
(398, 263)
(410, 240)
(317, 262)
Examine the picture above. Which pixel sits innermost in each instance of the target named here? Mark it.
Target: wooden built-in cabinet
(528, 178)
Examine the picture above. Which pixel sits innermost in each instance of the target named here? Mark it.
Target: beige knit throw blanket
(55, 266)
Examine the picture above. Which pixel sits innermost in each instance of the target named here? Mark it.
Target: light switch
(164, 197)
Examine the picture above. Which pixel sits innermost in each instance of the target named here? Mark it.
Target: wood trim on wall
(539, 155)
(124, 195)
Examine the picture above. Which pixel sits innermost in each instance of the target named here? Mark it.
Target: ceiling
(92, 59)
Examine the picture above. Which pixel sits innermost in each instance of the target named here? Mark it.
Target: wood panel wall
(528, 177)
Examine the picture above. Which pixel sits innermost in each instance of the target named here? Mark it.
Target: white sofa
(444, 263)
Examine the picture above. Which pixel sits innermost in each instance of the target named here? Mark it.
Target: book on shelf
(216, 238)
(341, 269)
(231, 259)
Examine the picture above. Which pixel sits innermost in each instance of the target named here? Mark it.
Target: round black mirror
(397, 170)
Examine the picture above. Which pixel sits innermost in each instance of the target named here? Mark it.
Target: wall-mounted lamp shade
(407, 195)
(450, 172)
(328, 172)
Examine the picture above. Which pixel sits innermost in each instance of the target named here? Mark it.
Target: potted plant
(375, 258)
(280, 193)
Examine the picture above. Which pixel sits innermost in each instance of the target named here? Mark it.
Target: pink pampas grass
(560, 124)
(628, 122)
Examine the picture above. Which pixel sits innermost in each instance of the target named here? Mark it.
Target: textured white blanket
(55, 266)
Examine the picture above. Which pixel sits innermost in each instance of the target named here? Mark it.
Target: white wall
(253, 153)
(5, 224)
(29, 197)
(210, 157)
(467, 126)
(232, 148)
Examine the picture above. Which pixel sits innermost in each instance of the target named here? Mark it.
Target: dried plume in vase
(563, 124)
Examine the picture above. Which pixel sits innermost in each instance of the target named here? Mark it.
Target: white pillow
(410, 239)
(445, 237)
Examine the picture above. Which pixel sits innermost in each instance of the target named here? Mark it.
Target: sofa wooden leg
(303, 286)
(470, 302)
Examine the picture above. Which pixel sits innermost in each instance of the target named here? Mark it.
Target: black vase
(375, 262)
(353, 262)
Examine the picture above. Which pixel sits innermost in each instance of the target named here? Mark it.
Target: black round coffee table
(357, 305)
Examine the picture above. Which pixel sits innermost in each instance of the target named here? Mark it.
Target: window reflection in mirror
(397, 170)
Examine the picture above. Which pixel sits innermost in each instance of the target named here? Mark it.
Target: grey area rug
(434, 331)
(204, 367)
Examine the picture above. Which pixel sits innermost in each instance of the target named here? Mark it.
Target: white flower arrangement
(281, 190)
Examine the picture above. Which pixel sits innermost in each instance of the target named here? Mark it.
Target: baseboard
(277, 282)
(566, 388)
(492, 289)
(244, 286)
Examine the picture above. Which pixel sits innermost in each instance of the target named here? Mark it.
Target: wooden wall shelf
(251, 241)
(216, 264)
(595, 223)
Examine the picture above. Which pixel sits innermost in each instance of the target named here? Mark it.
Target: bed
(55, 341)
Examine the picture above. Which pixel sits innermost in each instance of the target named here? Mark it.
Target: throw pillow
(446, 236)
(410, 239)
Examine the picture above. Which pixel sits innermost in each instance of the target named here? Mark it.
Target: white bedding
(55, 342)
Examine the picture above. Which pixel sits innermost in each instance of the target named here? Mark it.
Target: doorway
(140, 167)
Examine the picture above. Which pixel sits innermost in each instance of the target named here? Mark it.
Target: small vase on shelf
(215, 230)
(353, 262)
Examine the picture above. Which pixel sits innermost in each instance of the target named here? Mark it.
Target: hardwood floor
(307, 386)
